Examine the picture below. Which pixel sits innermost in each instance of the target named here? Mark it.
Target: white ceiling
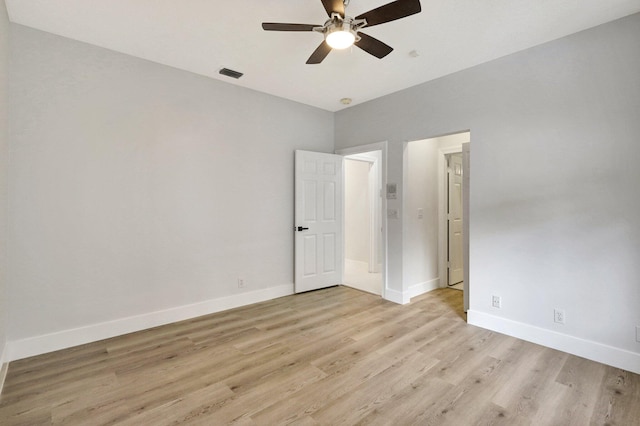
(204, 36)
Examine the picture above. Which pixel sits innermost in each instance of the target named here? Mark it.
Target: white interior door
(318, 220)
(456, 243)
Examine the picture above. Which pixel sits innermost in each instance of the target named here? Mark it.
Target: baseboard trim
(594, 351)
(24, 348)
(424, 287)
(4, 367)
(395, 296)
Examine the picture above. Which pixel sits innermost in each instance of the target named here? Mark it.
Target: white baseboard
(38, 345)
(3, 374)
(594, 351)
(4, 367)
(424, 287)
(401, 298)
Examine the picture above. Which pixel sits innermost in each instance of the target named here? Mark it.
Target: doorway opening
(435, 241)
(362, 222)
(365, 265)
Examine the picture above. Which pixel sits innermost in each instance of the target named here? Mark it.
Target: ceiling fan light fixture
(341, 31)
(340, 37)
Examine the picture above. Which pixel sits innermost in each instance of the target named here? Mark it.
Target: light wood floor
(335, 356)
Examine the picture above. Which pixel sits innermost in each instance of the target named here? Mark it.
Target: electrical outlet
(240, 282)
(558, 316)
(496, 302)
(638, 333)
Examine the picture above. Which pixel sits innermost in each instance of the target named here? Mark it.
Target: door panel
(318, 207)
(456, 263)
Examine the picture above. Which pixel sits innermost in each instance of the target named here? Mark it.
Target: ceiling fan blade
(391, 11)
(336, 6)
(274, 26)
(373, 46)
(319, 54)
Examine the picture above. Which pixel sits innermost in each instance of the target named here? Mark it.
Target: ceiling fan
(341, 31)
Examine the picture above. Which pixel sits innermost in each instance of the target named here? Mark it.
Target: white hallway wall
(554, 203)
(137, 188)
(420, 245)
(356, 220)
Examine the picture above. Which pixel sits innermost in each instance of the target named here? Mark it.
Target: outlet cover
(240, 282)
(638, 333)
(558, 316)
(496, 301)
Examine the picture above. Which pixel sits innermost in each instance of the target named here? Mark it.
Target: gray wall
(135, 187)
(554, 200)
(4, 47)
(357, 223)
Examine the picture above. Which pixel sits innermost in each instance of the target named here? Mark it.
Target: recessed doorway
(435, 229)
(362, 222)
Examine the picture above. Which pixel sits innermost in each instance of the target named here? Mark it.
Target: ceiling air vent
(231, 73)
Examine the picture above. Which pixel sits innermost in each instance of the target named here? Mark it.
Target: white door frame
(466, 191)
(382, 147)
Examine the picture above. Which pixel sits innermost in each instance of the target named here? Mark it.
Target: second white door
(456, 242)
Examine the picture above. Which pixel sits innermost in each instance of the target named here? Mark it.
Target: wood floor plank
(619, 399)
(330, 357)
(409, 403)
(375, 391)
(521, 394)
(191, 407)
(465, 401)
(334, 386)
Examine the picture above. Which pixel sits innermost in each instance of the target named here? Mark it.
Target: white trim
(397, 297)
(377, 146)
(424, 287)
(375, 213)
(466, 219)
(594, 351)
(4, 367)
(38, 345)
